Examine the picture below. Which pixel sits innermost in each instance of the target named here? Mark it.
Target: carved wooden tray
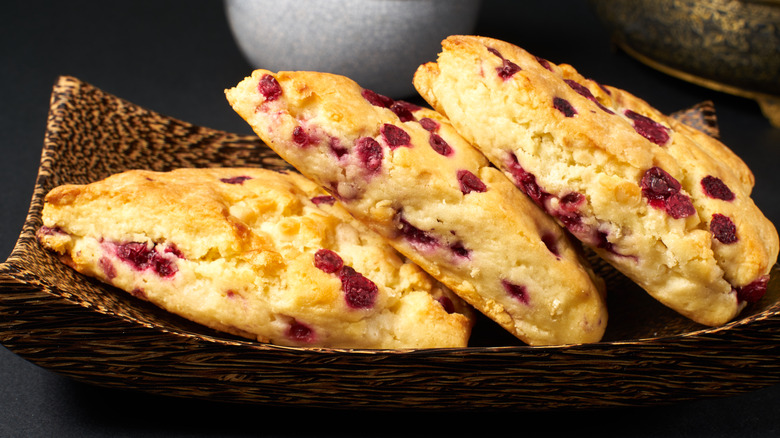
(83, 329)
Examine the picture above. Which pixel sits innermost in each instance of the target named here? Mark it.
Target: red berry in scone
(252, 252)
(665, 204)
(409, 176)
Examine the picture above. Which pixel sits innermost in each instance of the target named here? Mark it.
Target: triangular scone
(664, 203)
(255, 253)
(435, 198)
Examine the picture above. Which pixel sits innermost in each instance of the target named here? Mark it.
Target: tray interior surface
(91, 135)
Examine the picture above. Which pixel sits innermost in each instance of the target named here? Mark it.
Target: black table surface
(176, 58)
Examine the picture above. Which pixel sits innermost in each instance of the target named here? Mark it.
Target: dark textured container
(89, 331)
(727, 45)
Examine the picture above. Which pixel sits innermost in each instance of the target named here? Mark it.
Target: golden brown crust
(446, 209)
(573, 135)
(235, 249)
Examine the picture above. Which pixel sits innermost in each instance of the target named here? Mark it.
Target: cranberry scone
(409, 176)
(665, 204)
(255, 253)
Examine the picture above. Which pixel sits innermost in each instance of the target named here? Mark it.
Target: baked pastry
(665, 204)
(251, 252)
(406, 173)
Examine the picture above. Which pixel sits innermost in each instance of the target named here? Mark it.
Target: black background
(176, 58)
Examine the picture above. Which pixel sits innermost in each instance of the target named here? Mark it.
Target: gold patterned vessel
(727, 45)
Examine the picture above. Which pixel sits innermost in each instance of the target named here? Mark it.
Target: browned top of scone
(252, 252)
(405, 172)
(657, 197)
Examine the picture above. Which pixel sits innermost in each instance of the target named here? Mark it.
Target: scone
(665, 204)
(411, 178)
(251, 252)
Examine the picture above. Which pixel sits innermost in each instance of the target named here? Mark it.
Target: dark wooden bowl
(94, 333)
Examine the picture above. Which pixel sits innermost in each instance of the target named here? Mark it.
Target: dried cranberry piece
(571, 201)
(754, 291)
(137, 254)
(470, 182)
(516, 291)
(603, 243)
(163, 266)
(551, 243)
(173, 249)
(142, 256)
(395, 136)
(585, 92)
(648, 128)
(300, 332)
(404, 110)
(715, 188)
(663, 191)
(269, 87)
(376, 99)
(429, 124)
(369, 152)
(460, 250)
(564, 107)
(579, 88)
(526, 181)
(300, 136)
(495, 52)
(602, 107)
(327, 261)
(50, 231)
(508, 68)
(723, 229)
(679, 206)
(447, 304)
(657, 184)
(440, 145)
(360, 292)
(337, 148)
(416, 235)
(324, 199)
(544, 63)
(235, 179)
(346, 271)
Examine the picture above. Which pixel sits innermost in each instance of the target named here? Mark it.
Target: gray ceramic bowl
(378, 43)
